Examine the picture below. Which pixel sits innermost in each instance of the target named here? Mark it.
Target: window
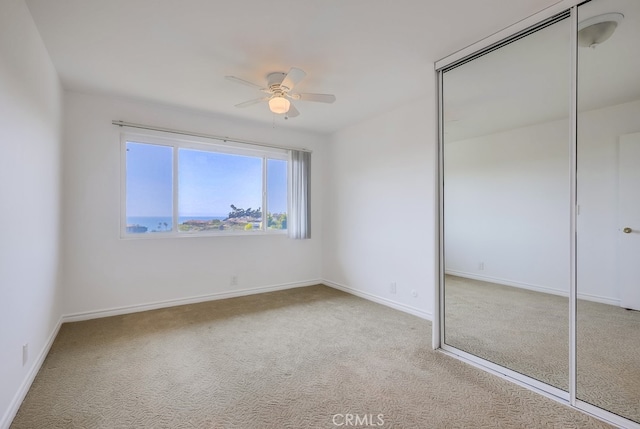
(174, 187)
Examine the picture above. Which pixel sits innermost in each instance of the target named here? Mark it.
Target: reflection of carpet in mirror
(608, 357)
(522, 330)
(528, 332)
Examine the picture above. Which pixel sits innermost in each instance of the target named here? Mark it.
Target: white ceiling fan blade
(244, 82)
(322, 98)
(292, 78)
(293, 112)
(252, 102)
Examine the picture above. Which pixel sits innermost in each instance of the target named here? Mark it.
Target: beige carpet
(608, 358)
(289, 359)
(522, 330)
(528, 332)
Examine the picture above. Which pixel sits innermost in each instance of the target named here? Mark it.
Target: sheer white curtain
(299, 223)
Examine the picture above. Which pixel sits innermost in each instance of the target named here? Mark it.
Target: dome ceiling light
(596, 30)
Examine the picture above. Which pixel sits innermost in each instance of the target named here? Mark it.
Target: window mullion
(123, 186)
(174, 227)
(264, 193)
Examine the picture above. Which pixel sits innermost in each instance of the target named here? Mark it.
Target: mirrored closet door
(539, 149)
(507, 159)
(608, 221)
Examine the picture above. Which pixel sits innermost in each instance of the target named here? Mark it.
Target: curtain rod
(207, 136)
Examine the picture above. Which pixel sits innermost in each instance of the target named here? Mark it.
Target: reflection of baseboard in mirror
(533, 287)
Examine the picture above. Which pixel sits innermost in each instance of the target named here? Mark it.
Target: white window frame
(202, 144)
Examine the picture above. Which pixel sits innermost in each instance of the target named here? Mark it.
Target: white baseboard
(535, 288)
(380, 300)
(14, 406)
(127, 309)
(504, 282)
(600, 299)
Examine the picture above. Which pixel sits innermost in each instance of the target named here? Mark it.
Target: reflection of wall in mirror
(522, 240)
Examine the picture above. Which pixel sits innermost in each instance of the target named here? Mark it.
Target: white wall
(530, 167)
(103, 271)
(380, 207)
(507, 206)
(30, 133)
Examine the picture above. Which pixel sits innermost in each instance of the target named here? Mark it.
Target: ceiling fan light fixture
(279, 105)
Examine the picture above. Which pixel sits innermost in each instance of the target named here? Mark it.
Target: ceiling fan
(279, 87)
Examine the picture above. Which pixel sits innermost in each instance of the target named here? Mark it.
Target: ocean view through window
(181, 188)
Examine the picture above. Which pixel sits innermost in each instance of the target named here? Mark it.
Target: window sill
(180, 235)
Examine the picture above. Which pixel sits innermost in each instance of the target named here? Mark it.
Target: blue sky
(208, 182)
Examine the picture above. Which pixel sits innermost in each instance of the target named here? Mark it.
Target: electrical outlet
(481, 266)
(414, 293)
(234, 281)
(25, 354)
(392, 287)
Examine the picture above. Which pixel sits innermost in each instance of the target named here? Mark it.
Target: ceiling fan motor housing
(275, 79)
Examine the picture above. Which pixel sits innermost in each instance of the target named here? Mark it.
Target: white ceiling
(529, 82)
(372, 55)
